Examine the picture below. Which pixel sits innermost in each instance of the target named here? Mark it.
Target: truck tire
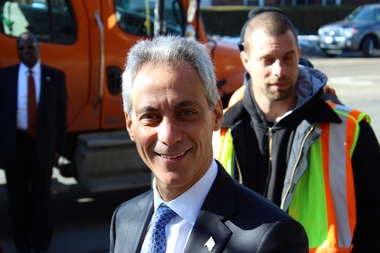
(368, 46)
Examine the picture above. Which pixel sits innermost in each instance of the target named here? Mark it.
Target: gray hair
(171, 51)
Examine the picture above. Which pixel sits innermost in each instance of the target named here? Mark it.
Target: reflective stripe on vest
(324, 200)
(225, 154)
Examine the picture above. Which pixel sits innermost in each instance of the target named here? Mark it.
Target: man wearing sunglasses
(32, 133)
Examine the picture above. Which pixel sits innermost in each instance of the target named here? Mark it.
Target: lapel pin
(210, 244)
(48, 78)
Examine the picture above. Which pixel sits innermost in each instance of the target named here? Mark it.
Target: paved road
(81, 219)
(356, 81)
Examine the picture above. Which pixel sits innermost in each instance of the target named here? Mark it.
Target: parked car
(359, 31)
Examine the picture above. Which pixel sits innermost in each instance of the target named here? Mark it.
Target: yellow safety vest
(324, 199)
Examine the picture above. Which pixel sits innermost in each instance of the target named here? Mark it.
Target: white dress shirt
(187, 206)
(22, 92)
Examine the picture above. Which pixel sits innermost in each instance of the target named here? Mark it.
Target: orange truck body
(89, 42)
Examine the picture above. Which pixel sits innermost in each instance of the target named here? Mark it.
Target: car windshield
(366, 13)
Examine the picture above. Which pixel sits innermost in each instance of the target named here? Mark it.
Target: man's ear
(219, 116)
(299, 53)
(128, 124)
(244, 58)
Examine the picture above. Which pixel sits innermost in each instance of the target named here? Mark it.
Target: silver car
(359, 31)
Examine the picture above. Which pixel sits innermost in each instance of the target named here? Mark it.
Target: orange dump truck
(89, 40)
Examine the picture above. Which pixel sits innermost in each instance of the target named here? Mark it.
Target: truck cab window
(138, 17)
(50, 20)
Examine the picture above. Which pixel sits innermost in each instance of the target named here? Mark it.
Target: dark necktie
(32, 106)
(157, 243)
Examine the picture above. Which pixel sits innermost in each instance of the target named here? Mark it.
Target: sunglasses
(29, 47)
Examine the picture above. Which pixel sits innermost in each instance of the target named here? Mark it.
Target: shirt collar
(189, 203)
(36, 68)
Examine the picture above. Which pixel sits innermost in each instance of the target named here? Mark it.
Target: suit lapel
(45, 79)
(14, 92)
(138, 223)
(209, 228)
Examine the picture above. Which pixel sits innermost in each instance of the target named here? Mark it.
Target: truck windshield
(138, 16)
(51, 21)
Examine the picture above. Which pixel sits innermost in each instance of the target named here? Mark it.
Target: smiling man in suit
(32, 133)
(172, 107)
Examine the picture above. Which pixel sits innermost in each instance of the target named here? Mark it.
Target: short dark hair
(251, 14)
(272, 23)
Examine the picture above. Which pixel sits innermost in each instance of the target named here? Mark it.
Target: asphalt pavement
(81, 219)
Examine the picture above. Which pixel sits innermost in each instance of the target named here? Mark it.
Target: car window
(377, 14)
(365, 14)
(50, 20)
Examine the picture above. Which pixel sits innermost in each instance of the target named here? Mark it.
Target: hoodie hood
(309, 84)
(309, 89)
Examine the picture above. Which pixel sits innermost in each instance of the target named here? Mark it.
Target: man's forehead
(176, 105)
(262, 36)
(27, 39)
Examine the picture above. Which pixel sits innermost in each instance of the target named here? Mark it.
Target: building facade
(290, 2)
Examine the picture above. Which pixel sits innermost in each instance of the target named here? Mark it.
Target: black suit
(28, 161)
(238, 219)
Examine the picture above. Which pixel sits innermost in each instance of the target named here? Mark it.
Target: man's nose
(169, 132)
(277, 68)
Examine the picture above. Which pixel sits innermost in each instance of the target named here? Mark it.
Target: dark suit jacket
(238, 219)
(51, 119)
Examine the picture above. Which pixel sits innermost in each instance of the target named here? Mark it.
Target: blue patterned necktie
(157, 242)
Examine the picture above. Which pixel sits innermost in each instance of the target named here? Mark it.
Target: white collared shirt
(187, 206)
(22, 92)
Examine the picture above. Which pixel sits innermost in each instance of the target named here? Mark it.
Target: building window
(331, 2)
(302, 2)
(252, 2)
